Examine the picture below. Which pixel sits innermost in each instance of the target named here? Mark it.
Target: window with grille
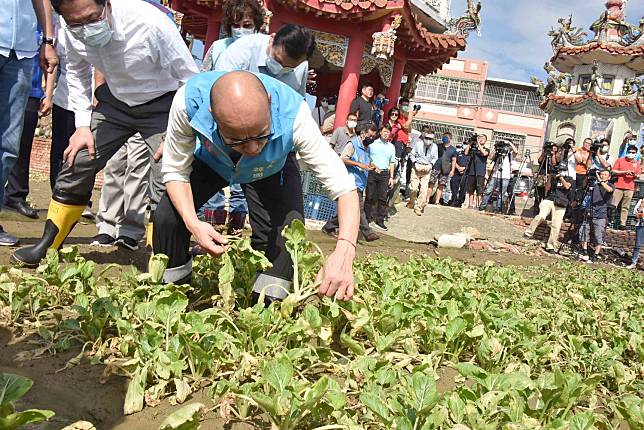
(459, 133)
(512, 100)
(447, 89)
(517, 140)
(582, 83)
(607, 84)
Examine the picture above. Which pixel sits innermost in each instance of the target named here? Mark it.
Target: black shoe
(267, 299)
(127, 242)
(6, 239)
(103, 239)
(370, 237)
(381, 226)
(23, 209)
(330, 232)
(551, 251)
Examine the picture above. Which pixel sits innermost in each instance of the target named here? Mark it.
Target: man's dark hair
(297, 41)
(403, 100)
(631, 148)
(447, 133)
(366, 85)
(387, 126)
(425, 127)
(234, 10)
(56, 4)
(371, 127)
(604, 140)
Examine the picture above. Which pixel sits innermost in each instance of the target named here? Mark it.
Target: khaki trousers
(547, 207)
(421, 180)
(625, 197)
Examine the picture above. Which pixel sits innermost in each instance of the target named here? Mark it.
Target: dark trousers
(457, 184)
(113, 123)
(334, 223)
(62, 129)
(580, 186)
(408, 166)
(376, 200)
(273, 203)
(17, 188)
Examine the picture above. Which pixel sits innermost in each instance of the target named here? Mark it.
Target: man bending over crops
(207, 147)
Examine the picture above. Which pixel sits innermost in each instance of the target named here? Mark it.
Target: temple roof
(608, 102)
(567, 57)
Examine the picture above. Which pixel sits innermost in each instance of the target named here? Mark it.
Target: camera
(568, 144)
(595, 147)
(416, 108)
(548, 145)
(501, 147)
(379, 102)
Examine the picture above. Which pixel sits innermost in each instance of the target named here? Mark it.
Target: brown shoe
(371, 237)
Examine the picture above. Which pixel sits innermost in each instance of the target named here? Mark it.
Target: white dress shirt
(311, 146)
(424, 154)
(61, 92)
(18, 29)
(145, 59)
(250, 53)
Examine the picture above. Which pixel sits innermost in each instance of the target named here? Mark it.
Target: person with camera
(567, 161)
(547, 163)
(444, 168)
(457, 182)
(584, 161)
(475, 181)
(554, 204)
(638, 212)
(502, 154)
(423, 156)
(601, 158)
(378, 113)
(596, 218)
(626, 169)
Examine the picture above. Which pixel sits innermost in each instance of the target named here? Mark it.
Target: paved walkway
(439, 220)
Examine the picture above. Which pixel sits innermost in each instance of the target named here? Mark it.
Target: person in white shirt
(207, 147)
(501, 174)
(423, 155)
(282, 56)
(144, 61)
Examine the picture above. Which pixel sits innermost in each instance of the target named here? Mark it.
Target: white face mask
(96, 34)
(352, 124)
(237, 32)
(331, 108)
(630, 156)
(605, 150)
(275, 68)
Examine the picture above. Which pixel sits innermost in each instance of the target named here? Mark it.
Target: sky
(514, 38)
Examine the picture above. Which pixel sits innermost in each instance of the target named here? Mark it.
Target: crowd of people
(126, 96)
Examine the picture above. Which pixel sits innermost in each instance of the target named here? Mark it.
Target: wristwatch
(48, 41)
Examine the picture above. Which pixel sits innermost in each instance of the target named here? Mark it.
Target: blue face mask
(445, 140)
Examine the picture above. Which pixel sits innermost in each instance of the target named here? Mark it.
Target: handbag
(560, 200)
(422, 169)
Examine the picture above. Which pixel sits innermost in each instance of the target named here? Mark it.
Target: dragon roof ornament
(467, 23)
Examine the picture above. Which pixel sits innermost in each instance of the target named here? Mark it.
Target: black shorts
(475, 183)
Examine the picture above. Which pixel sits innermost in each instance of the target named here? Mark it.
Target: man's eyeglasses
(263, 139)
(101, 17)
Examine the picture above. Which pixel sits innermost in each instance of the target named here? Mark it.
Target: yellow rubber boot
(60, 221)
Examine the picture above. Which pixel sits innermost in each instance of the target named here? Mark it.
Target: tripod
(543, 167)
(497, 176)
(526, 159)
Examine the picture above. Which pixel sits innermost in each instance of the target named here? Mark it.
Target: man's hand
(45, 106)
(159, 152)
(209, 240)
(47, 58)
(336, 276)
(367, 167)
(391, 182)
(82, 138)
(310, 77)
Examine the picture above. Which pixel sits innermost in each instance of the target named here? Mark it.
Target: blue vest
(360, 155)
(285, 104)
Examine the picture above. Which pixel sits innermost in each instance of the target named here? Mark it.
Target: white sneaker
(527, 234)
(631, 266)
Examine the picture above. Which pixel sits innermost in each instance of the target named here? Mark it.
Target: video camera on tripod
(502, 148)
(471, 142)
(595, 147)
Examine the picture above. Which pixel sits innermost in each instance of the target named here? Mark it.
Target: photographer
(601, 159)
(476, 173)
(626, 169)
(555, 205)
(583, 158)
(594, 223)
(378, 113)
(547, 165)
(567, 161)
(457, 182)
(502, 153)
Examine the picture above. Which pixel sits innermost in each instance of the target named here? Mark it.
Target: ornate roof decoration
(566, 34)
(609, 102)
(471, 21)
(608, 47)
(384, 41)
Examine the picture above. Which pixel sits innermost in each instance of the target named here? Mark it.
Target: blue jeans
(492, 185)
(15, 86)
(237, 203)
(639, 241)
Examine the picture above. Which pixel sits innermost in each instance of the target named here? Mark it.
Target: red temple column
(212, 32)
(394, 86)
(350, 78)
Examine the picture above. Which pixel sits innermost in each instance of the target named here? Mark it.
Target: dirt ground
(76, 393)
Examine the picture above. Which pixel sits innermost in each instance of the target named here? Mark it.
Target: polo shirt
(382, 154)
(626, 182)
(364, 109)
(341, 136)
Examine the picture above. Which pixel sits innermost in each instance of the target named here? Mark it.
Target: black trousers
(580, 185)
(376, 201)
(334, 223)
(273, 203)
(17, 188)
(457, 185)
(62, 129)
